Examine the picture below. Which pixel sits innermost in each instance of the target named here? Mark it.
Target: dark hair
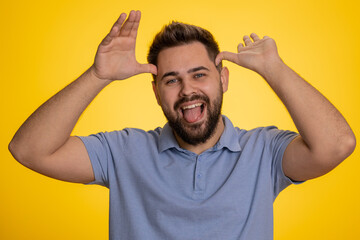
(176, 34)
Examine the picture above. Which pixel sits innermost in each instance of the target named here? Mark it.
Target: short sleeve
(279, 140)
(99, 152)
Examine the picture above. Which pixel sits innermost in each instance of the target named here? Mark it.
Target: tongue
(192, 115)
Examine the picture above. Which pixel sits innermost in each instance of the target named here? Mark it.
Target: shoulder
(129, 132)
(264, 135)
(126, 136)
(136, 133)
(235, 137)
(259, 132)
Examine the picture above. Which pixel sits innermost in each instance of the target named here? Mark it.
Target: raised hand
(115, 57)
(256, 55)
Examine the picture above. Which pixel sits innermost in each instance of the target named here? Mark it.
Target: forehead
(183, 57)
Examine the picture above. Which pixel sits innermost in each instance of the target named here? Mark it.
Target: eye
(171, 81)
(199, 75)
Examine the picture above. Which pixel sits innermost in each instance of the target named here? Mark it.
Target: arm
(43, 143)
(325, 137)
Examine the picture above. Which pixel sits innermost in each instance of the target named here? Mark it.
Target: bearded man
(198, 177)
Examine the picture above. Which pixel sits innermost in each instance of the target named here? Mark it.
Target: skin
(43, 143)
(325, 137)
(182, 72)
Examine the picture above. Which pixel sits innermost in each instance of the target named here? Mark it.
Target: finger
(255, 37)
(265, 37)
(108, 37)
(127, 26)
(148, 68)
(247, 40)
(239, 47)
(135, 26)
(232, 57)
(117, 25)
(115, 29)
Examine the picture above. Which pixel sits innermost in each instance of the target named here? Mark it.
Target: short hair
(177, 34)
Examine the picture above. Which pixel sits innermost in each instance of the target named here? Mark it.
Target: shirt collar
(228, 139)
(167, 139)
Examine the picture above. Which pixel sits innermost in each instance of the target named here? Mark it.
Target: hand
(115, 57)
(256, 55)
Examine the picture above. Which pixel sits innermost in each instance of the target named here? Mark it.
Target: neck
(202, 147)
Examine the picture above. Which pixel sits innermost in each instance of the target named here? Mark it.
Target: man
(198, 177)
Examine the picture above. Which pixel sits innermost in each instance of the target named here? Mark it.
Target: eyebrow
(189, 71)
(169, 74)
(197, 69)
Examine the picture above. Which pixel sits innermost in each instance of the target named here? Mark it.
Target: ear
(224, 78)
(156, 92)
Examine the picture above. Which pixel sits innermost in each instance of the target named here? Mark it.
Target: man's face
(189, 89)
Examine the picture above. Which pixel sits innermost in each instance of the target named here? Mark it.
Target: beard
(197, 133)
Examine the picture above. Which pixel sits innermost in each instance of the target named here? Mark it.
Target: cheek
(167, 98)
(211, 90)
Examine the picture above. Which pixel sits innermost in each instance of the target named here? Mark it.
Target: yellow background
(47, 44)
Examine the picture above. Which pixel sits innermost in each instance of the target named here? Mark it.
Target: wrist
(272, 69)
(94, 75)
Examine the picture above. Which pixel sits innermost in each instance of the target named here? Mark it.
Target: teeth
(192, 106)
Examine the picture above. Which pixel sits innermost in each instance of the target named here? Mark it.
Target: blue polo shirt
(161, 191)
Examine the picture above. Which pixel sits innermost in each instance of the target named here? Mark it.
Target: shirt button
(199, 175)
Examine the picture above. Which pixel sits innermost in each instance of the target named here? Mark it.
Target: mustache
(191, 98)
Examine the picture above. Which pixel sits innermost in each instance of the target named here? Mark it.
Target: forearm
(49, 127)
(320, 124)
(325, 137)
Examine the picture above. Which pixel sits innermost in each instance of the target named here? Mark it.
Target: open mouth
(193, 112)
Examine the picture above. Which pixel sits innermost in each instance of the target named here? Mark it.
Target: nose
(187, 88)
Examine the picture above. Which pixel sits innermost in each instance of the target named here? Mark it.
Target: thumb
(232, 57)
(148, 68)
